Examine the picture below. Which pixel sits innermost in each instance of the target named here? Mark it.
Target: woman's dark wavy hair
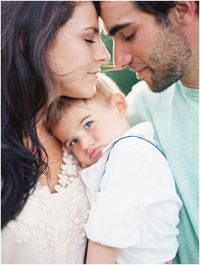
(28, 28)
(159, 9)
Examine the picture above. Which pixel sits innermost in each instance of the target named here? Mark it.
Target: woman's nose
(102, 53)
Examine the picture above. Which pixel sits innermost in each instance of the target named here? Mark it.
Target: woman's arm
(99, 254)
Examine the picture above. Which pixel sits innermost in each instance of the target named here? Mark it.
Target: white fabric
(137, 207)
(49, 229)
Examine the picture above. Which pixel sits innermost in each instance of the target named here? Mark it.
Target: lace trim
(69, 171)
(56, 221)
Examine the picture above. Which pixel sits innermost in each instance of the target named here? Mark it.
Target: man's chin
(154, 87)
(149, 84)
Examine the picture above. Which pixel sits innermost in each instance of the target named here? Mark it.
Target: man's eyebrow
(118, 27)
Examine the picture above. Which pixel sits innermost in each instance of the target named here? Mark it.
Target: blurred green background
(125, 79)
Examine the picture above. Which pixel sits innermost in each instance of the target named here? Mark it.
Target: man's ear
(118, 101)
(183, 13)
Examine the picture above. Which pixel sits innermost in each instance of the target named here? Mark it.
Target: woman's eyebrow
(96, 30)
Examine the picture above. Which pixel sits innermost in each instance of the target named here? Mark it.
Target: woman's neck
(54, 152)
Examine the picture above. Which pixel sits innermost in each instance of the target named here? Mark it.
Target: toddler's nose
(86, 144)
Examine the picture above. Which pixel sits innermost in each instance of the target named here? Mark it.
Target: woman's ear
(118, 101)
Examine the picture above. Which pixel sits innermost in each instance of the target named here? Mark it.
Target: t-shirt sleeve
(137, 203)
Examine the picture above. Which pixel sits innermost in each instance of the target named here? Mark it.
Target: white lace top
(50, 227)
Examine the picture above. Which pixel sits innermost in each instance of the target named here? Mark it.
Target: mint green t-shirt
(174, 114)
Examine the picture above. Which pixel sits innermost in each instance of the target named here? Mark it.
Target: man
(159, 42)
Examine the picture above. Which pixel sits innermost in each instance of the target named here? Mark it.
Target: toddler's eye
(88, 124)
(73, 142)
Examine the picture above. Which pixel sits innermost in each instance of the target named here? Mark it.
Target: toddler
(134, 205)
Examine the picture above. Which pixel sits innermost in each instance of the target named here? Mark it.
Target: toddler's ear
(118, 101)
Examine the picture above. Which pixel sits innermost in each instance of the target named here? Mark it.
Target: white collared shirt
(134, 205)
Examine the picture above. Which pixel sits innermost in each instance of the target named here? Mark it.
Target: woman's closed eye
(89, 41)
(88, 124)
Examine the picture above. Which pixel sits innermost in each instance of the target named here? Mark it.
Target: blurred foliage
(125, 79)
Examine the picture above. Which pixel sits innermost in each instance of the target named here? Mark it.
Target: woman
(49, 49)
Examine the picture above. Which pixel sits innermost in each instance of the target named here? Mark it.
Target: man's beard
(170, 59)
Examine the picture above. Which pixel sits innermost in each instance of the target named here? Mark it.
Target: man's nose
(121, 56)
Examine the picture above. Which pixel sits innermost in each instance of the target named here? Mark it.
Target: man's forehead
(117, 6)
(117, 12)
